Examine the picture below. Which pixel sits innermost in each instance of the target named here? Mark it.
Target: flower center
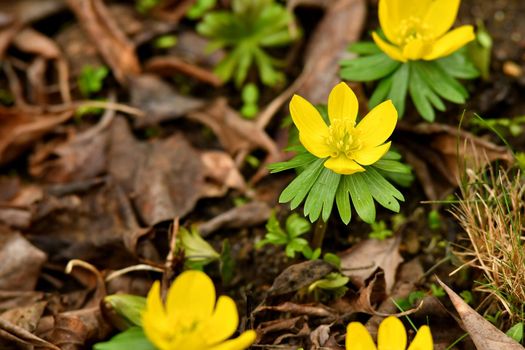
(413, 29)
(343, 138)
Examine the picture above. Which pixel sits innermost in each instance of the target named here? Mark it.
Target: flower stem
(319, 231)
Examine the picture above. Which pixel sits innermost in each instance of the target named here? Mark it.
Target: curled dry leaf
(111, 42)
(251, 214)
(159, 100)
(170, 65)
(299, 276)
(483, 333)
(82, 156)
(21, 261)
(235, 133)
(26, 316)
(362, 260)
(220, 174)
(19, 130)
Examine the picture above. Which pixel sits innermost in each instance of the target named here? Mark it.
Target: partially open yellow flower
(390, 336)
(346, 145)
(191, 320)
(417, 29)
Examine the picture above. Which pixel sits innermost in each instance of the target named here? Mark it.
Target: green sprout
(379, 230)
(199, 8)
(251, 27)
(91, 79)
(165, 41)
(290, 237)
(145, 6)
(330, 286)
(197, 252)
(250, 97)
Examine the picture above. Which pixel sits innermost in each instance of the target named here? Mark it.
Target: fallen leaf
(21, 261)
(82, 156)
(113, 45)
(235, 133)
(20, 130)
(362, 260)
(171, 65)
(299, 276)
(483, 333)
(251, 214)
(26, 316)
(159, 100)
(320, 336)
(220, 174)
(19, 338)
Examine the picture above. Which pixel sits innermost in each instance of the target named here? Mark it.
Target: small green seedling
(199, 8)
(247, 31)
(434, 220)
(516, 332)
(250, 98)
(290, 237)
(379, 230)
(91, 79)
(197, 252)
(437, 291)
(145, 6)
(332, 286)
(467, 296)
(165, 41)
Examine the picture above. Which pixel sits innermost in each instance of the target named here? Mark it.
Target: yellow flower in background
(391, 335)
(417, 29)
(346, 145)
(191, 318)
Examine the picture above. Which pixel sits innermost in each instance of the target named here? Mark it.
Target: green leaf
(368, 68)
(364, 48)
(392, 166)
(419, 92)
(382, 190)
(321, 196)
(243, 65)
(381, 92)
(443, 84)
(227, 263)
(342, 199)
(301, 160)
(458, 66)
(297, 190)
(91, 79)
(127, 306)
(333, 260)
(361, 197)
(199, 8)
(516, 332)
(133, 338)
(296, 225)
(398, 90)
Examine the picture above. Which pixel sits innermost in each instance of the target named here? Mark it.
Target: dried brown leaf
(299, 276)
(21, 261)
(113, 45)
(362, 260)
(483, 333)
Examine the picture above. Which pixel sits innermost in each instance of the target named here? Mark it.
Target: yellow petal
(391, 51)
(423, 340)
(369, 156)
(191, 297)
(241, 342)
(391, 334)
(415, 50)
(343, 165)
(342, 103)
(377, 126)
(440, 16)
(223, 322)
(358, 338)
(154, 320)
(313, 131)
(451, 42)
(390, 18)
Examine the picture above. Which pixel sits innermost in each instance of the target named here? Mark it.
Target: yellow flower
(346, 145)
(390, 336)
(417, 29)
(191, 320)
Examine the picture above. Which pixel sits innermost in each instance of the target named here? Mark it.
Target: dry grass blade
(492, 212)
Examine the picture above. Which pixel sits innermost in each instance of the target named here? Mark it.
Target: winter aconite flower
(347, 146)
(390, 336)
(191, 319)
(417, 29)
